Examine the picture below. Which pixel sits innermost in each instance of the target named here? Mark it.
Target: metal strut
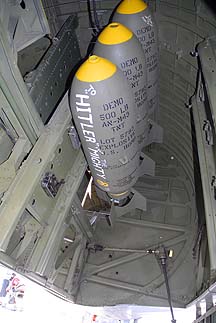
(163, 260)
(161, 254)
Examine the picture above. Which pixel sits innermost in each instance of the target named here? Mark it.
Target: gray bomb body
(105, 120)
(144, 27)
(129, 57)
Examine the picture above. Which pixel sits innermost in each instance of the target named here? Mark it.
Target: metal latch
(213, 185)
(207, 128)
(50, 184)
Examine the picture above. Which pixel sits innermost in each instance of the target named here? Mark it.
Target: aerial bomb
(118, 44)
(102, 107)
(136, 15)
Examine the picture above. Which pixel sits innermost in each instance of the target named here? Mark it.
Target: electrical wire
(94, 23)
(91, 21)
(96, 20)
(69, 103)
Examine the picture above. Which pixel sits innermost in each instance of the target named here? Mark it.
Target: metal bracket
(50, 80)
(74, 137)
(51, 185)
(207, 128)
(213, 185)
(147, 165)
(155, 133)
(201, 92)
